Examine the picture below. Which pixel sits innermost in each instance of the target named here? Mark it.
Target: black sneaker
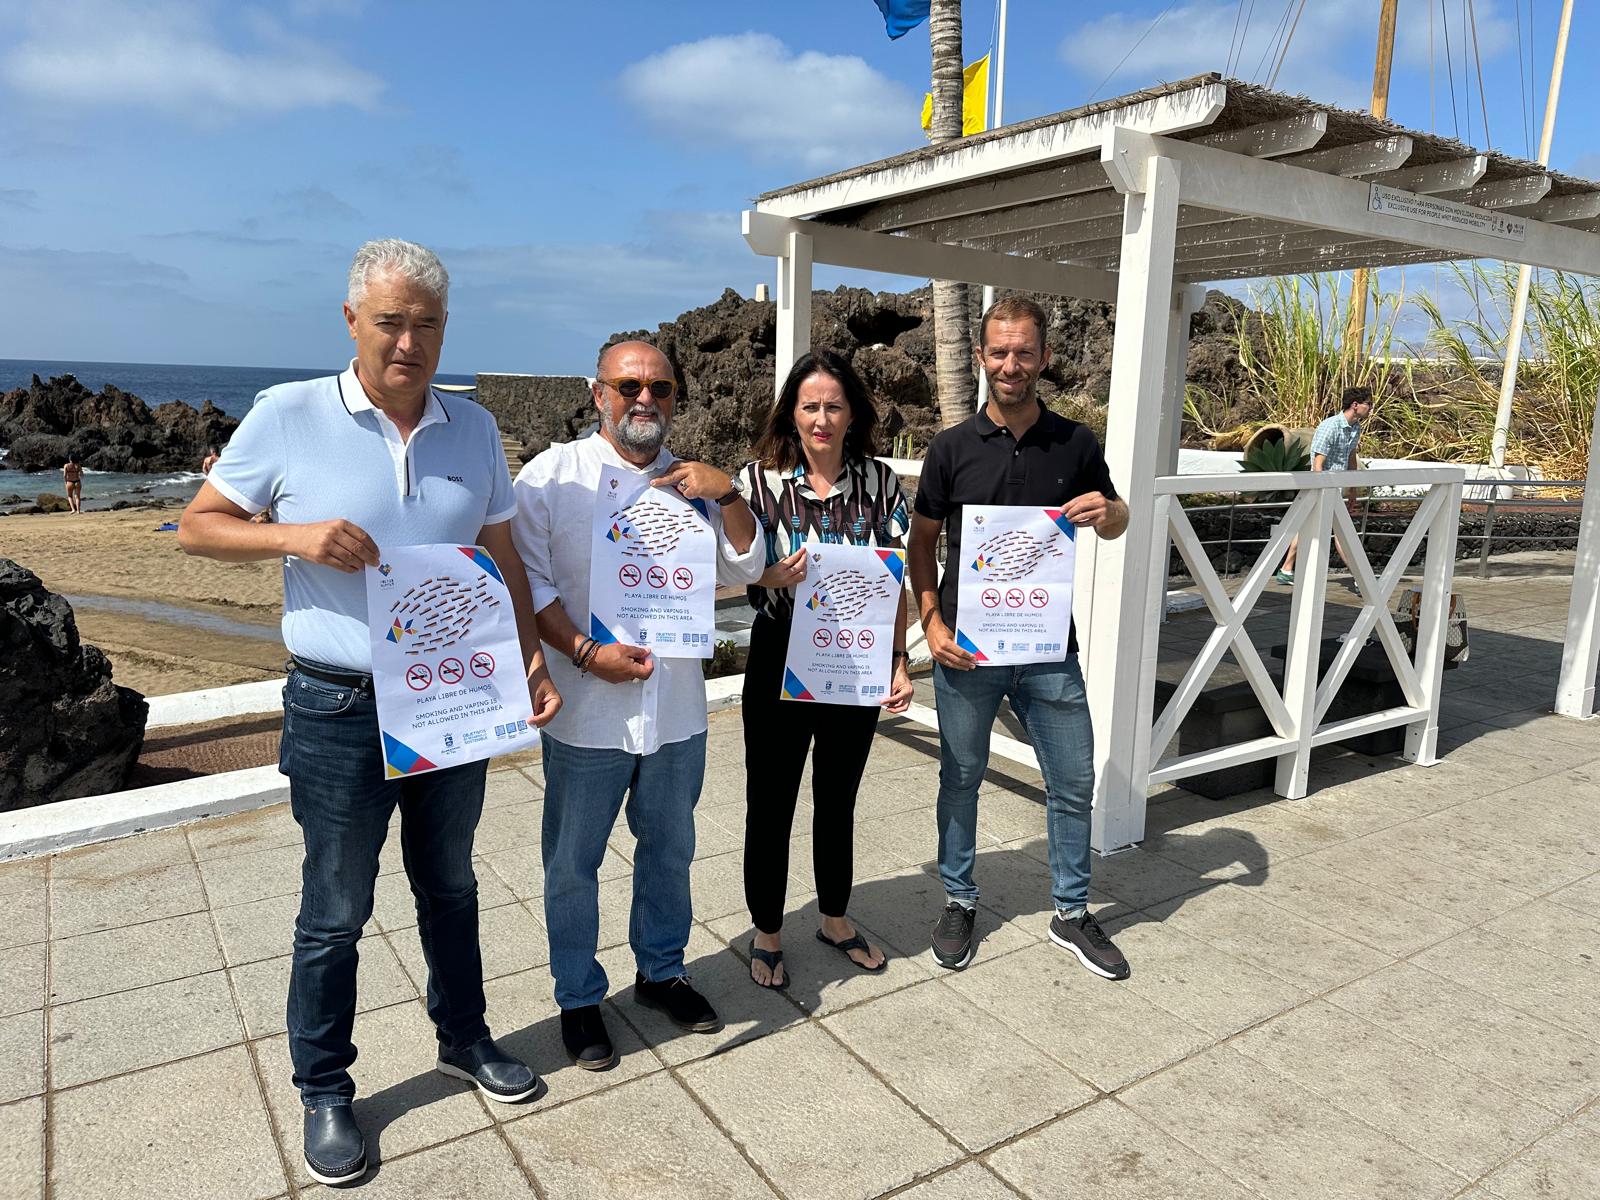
(491, 1070)
(583, 1032)
(952, 936)
(336, 1153)
(1084, 937)
(685, 1007)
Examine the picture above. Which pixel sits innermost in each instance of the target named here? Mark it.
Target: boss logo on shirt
(455, 479)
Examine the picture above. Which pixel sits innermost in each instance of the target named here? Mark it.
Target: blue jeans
(583, 792)
(1050, 700)
(339, 796)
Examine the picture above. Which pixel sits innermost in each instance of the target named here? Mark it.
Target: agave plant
(1288, 454)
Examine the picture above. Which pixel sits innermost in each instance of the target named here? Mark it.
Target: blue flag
(900, 17)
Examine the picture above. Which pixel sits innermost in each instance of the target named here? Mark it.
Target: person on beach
(634, 725)
(72, 478)
(210, 460)
(814, 480)
(347, 464)
(1333, 448)
(1013, 451)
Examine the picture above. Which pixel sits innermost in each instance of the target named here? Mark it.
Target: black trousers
(778, 734)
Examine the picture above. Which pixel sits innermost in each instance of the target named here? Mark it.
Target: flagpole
(999, 107)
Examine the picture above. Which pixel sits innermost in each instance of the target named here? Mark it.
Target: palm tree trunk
(952, 335)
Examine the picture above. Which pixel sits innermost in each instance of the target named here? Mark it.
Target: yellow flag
(974, 99)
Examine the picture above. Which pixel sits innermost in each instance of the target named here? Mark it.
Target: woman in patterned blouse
(814, 480)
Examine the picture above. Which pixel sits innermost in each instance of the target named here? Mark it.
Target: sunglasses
(629, 388)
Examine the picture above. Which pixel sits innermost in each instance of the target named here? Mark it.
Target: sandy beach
(169, 622)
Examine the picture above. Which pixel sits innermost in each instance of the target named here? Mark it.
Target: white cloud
(171, 56)
(752, 93)
(22, 198)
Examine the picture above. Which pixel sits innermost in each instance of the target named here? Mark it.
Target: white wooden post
(1433, 624)
(794, 305)
(1185, 300)
(1121, 677)
(1580, 652)
(1302, 664)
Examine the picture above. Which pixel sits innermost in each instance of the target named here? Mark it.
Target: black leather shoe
(336, 1153)
(491, 1070)
(685, 1007)
(583, 1032)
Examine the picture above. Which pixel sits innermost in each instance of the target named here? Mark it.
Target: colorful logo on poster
(399, 632)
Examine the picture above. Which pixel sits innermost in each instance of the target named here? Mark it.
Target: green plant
(1287, 454)
(724, 659)
(902, 445)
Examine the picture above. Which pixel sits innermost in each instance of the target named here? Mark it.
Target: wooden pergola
(1140, 200)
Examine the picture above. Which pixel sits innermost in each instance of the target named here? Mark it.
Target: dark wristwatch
(733, 494)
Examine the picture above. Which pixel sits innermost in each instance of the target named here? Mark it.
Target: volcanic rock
(112, 430)
(65, 729)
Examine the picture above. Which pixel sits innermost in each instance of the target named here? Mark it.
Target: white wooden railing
(1297, 713)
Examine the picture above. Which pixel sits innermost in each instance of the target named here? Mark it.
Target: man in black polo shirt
(1013, 451)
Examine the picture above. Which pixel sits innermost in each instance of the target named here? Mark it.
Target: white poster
(652, 569)
(841, 642)
(446, 663)
(1014, 593)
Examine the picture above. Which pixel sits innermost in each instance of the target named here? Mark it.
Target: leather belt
(347, 679)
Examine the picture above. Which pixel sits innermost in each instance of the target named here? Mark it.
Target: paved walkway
(1389, 989)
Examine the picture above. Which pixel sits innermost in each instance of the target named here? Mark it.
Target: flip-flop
(854, 943)
(774, 960)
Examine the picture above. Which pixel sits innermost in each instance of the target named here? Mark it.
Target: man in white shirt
(632, 724)
(347, 464)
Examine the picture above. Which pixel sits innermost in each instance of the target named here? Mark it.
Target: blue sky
(185, 181)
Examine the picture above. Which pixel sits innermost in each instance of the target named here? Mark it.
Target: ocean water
(232, 389)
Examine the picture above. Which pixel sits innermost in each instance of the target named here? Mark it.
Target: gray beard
(636, 439)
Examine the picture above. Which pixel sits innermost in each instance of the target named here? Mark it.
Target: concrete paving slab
(673, 1150)
(508, 826)
(1563, 934)
(1102, 1031)
(91, 1039)
(970, 1181)
(27, 918)
(263, 987)
(524, 1019)
(191, 1128)
(480, 1167)
(21, 1055)
(1141, 877)
(1275, 1137)
(115, 960)
(512, 786)
(1452, 1116)
(910, 788)
(1196, 982)
(22, 1150)
(260, 929)
(109, 862)
(943, 1054)
(874, 1141)
(1567, 1163)
(267, 828)
(1518, 975)
(1377, 866)
(723, 978)
(717, 885)
(402, 1104)
(257, 875)
(84, 904)
(910, 837)
(1548, 1065)
(1533, 856)
(902, 906)
(510, 938)
(22, 977)
(716, 834)
(1309, 955)
(1382, 918)
(25, 876)
(1110, 1152)
(1583, 896)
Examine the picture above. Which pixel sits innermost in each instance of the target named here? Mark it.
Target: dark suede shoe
(583, 1032)
(336, 1153)
(494, 1072)
(685, 1007)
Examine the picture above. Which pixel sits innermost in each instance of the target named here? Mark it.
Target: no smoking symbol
(418, 676)
(1014, 598)
(1038, 597)
(990, 598)
(822, 639)
(629, 575)
(846, 639)
(451, 670)
(864, 639)
(657, 577)
(483, 665)
(683, 579)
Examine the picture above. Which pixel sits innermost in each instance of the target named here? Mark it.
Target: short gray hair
(406, 259)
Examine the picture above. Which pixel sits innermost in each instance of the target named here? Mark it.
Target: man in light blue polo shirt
(1333, 448)
(346, 464)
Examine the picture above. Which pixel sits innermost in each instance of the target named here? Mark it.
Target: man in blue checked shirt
(1333, 448)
